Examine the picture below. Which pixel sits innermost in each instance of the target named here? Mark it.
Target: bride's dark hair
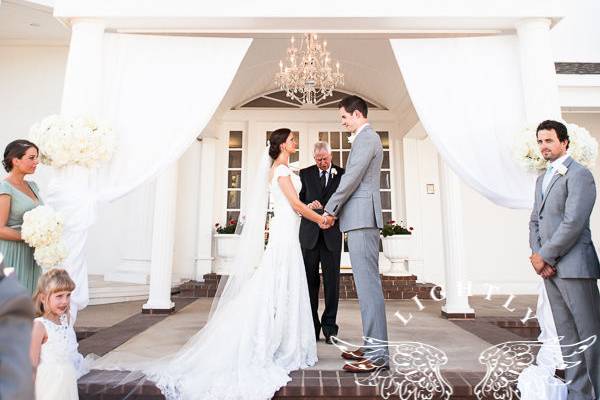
(278, 137)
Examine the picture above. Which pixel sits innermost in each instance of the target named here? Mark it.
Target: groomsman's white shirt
(554, 164)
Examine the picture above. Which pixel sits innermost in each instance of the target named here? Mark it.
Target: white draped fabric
(158, 93)
(469, 97)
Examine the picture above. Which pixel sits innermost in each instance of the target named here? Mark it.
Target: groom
(357, 205)
(564, 255)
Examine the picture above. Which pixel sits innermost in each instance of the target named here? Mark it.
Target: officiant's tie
(323, 179)
(547, 178)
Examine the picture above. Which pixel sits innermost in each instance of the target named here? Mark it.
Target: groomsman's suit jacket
(16, 317)
(559, 230)
(311, 191)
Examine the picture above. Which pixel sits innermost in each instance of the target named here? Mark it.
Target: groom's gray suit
(559, 230)
(357, 205)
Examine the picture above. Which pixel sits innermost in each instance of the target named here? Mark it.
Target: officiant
(321, 247)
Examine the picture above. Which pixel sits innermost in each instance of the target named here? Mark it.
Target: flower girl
(56, 362)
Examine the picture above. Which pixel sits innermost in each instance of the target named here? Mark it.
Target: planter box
(397, 249)
(227, 245)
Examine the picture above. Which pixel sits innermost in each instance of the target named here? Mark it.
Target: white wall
(577, 36)
(31, 82)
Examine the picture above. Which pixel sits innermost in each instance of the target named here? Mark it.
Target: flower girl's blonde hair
(52, 281)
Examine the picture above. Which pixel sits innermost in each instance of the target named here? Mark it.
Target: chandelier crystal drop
(307, 75)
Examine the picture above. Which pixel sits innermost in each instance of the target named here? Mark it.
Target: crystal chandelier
(307, 75)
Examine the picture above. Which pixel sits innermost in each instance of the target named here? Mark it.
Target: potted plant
(226, 243)
(397, 244)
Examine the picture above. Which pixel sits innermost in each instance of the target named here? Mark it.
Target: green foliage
(227, 230)
(391, 228)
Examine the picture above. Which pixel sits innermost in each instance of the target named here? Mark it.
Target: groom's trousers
(363, 245)
(575, 305)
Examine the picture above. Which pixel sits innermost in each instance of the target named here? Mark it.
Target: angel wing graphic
(414, 372)
(505, 361)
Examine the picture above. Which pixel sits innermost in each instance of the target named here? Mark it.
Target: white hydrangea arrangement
(73, 141)
(582, 147)
(42, 229)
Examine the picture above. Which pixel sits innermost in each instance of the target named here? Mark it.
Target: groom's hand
(538, 262)
(548, 271)
(330, 221)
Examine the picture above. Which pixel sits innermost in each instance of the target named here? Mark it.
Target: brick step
(305, 384)
(394, 287)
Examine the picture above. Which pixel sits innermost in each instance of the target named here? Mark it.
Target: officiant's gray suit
(559, 230)
(357, 205)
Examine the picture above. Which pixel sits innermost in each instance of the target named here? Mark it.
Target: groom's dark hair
(561, 130)
(353, 103)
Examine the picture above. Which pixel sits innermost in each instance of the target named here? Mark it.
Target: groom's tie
(323, 179)
(547, 178)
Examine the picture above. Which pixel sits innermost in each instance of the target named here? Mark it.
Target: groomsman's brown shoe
(363, 366)
(356, 355)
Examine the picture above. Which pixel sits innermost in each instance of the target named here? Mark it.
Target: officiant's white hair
(321, 145)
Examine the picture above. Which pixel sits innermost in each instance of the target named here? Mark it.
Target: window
(234, 175)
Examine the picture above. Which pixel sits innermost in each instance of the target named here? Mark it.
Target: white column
(538, 74)
(204, 257)
(163, 241)
(136, 246)
(83, 77)
(412, 190)
(457, 300)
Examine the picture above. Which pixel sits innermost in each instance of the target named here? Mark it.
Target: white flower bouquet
(66, 141)
(582, 147)
(42, 229)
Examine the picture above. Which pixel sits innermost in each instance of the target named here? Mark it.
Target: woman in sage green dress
(17, 196)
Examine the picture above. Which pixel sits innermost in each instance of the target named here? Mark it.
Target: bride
(260, 327)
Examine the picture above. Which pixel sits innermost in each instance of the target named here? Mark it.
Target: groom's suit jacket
(559, 227)
(311, 191)
(357, 202)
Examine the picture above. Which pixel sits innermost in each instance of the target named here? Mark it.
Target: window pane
(386, 160)
(233, 199)
(232, 215)
(335, 157)
(386, 200)
(335, 140)
(294, 157)
(323, 137)
(387, 216)
(385, 180)
(235, 159)
(345, 142)
(234, 179)
(385, 140)
(345, 155)
(235, 139)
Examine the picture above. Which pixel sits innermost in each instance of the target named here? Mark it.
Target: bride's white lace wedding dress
(261, 334)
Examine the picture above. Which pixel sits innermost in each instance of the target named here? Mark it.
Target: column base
(155, 309)
(458, 315)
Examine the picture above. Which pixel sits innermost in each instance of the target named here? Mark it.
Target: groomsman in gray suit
(16, 318)
(564, 255)
(357, 205)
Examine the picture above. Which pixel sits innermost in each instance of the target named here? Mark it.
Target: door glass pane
(386, 160)
(386, 200)
(335, 157)
(323, 137)
(387, 216)
(385, 180)
(233, 199)
(345, 142)
(232, 216)
(345, 155)
(235, 159)
(234, 179)
(385, 139)
(335, 140)
(235, 140)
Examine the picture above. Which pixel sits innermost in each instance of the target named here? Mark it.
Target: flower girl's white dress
(60, 363)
